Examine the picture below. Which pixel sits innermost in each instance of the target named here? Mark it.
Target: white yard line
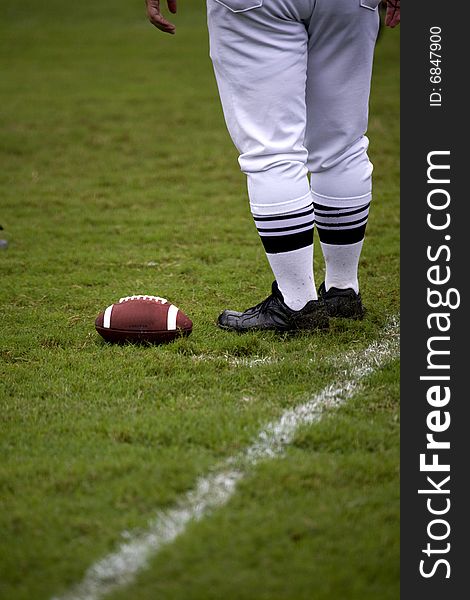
(214, 490)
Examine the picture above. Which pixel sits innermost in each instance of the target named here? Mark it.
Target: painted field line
(214, 490)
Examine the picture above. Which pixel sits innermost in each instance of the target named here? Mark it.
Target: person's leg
(260, 62)
(342, 36)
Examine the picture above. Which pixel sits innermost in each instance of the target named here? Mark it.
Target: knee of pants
(276, 185)
(344, 179)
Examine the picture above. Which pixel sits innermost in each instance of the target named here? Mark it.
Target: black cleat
(342, 303)
(274, 314)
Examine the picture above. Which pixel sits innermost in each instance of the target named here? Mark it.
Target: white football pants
(294, 80)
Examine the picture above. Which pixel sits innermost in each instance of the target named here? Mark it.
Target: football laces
(143, 297)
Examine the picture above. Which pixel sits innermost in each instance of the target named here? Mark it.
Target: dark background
(424, 129)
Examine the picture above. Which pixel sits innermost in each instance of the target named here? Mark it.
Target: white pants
(294, 80)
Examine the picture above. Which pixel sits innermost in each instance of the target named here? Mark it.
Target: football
(142, 319)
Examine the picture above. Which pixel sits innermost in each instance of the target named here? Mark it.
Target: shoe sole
(295, 330)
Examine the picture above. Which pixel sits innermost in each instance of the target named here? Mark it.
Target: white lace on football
(143, 297)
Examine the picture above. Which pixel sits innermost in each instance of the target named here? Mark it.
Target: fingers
(392, 16)
(157, 19)
(172, 6)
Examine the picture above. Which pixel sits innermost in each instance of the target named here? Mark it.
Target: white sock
(341, 265)
(288, 242)
(294, 275)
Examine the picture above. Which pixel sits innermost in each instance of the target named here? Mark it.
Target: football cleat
(345, 304)
(274, 314)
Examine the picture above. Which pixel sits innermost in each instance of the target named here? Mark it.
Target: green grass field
(118, 177)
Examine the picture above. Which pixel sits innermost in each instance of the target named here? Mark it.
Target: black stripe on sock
(274, 244)
(321, 207)
(326, 224)
(342, 214)
(288, 216)
(300, 226)
(343, 236)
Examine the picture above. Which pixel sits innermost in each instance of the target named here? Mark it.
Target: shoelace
(143, 297)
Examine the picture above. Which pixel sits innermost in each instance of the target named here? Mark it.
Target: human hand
(156, 18)
(392, 16)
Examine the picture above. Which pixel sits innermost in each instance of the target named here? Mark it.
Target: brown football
(142, 319)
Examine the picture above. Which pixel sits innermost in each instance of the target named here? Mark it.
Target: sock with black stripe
(288, 241)
(341, 232)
